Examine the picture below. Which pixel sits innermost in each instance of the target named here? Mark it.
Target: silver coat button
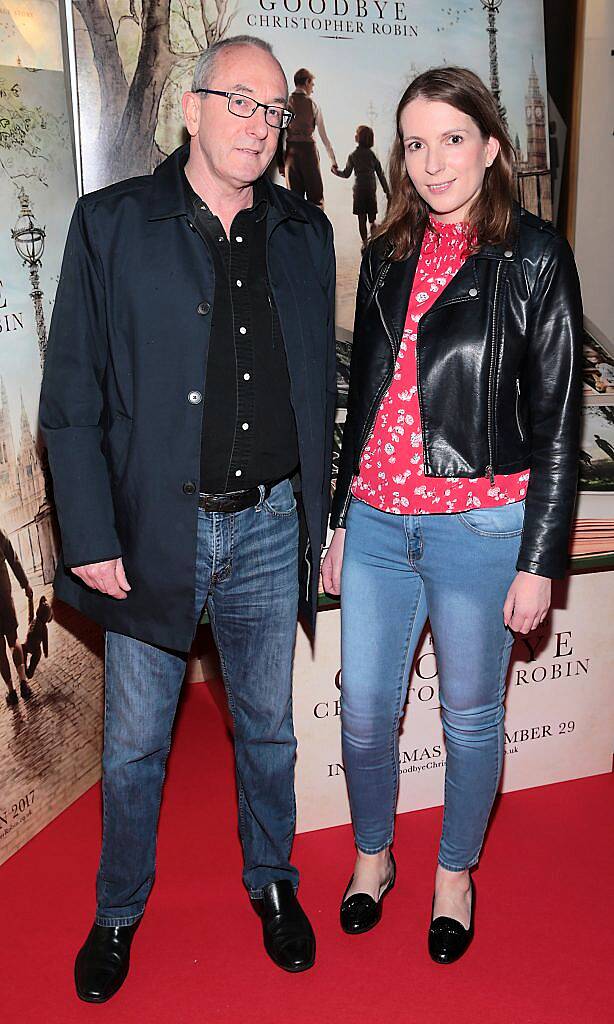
(195, 397)
(473, 292)
(508, 253)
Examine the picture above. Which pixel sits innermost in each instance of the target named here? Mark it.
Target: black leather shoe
(448, 939)
(288, 936)
(360, 912)
(102, 962)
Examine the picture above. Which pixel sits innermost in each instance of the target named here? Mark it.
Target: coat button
(473, 292)
(189, 487)
(194, 397)
(508, 254)
(203, 308)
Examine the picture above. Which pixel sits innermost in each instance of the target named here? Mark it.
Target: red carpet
(543, 952)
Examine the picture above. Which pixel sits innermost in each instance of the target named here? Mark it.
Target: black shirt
(249, 431)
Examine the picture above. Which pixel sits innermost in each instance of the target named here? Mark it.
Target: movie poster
(134, 61)
(51, 685)
(362, 53)
(559, 719)
(593, 538)
(30, 34)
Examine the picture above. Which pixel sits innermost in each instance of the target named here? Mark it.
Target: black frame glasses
(275, 116)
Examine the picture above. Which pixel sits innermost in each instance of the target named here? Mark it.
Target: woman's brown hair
(490, 215)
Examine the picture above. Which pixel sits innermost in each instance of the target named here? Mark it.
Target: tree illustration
(167, 37)
(30, 138)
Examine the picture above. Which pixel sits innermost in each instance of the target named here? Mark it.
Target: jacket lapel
(394, 292)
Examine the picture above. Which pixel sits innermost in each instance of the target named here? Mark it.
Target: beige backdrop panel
(559, 721)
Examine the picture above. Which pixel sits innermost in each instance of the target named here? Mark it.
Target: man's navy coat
(128, 343)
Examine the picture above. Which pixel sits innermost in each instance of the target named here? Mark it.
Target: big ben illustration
(535, 113)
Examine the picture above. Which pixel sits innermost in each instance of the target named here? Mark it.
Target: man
(189, 385)
(301, 162)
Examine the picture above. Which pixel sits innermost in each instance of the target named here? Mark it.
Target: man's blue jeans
(397, 570)
(246, 574)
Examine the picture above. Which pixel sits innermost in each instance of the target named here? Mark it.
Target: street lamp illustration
(493, 6)
(29, 241)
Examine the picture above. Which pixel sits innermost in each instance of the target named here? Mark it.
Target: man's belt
(233, 501)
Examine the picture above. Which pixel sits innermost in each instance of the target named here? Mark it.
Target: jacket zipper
(489, 471)
(517, 415)
(449, 302)
(384, 387)
(425, 457)
(379, 280)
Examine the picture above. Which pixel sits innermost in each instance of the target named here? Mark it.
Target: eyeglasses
(245, 106)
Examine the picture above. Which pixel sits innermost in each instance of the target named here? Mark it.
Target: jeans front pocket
(281, 500)
(505, 521)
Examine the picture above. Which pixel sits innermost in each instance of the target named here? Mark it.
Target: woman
(457, 474)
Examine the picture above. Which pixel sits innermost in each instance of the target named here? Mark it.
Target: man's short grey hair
(205, 65)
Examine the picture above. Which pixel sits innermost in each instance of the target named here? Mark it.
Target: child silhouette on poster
(363, 163)
(37, 640)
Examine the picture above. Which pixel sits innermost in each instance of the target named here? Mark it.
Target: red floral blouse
(391, 476)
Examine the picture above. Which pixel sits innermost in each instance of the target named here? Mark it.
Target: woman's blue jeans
(246, 573)
(397, 571)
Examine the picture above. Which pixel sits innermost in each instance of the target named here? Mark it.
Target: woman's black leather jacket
(498, 358)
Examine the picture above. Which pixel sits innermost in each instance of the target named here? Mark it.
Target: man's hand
(107, 577)
(527, 602)
(333, 560)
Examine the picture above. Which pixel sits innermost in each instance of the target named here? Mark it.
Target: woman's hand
(331, 565)
(527, 602)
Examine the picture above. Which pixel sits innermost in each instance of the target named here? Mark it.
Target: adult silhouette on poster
(302, 162)
(605, 446)
(8, 622)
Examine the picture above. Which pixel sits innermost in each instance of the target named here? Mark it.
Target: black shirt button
(203, 308)
(189, 487)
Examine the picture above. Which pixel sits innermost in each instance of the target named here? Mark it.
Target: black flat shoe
(102, 963)
(287, 933)
(448, 939)
(360, 912)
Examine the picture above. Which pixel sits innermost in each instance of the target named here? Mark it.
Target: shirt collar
(169, 197)
(258, 208)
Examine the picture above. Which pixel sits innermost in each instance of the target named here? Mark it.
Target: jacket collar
(169, 197)
(505, 251)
